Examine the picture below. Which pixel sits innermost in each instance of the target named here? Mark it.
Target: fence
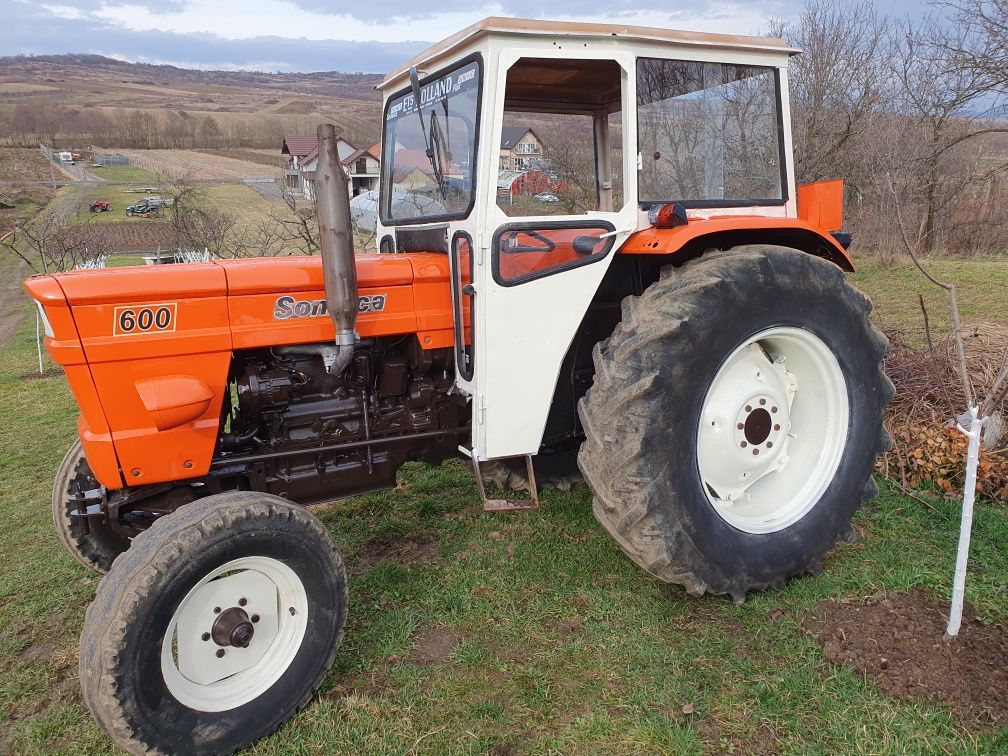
(106, 159)
(75, 172)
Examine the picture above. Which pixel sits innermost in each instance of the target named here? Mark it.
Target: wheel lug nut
(205, 636)
(776, 427)
(292, 610)
(769, 444)
(220, 652)
(762, 401)
(740, 426)
(755, 452)
(216, 610)
(748, 408)
(242, 601)
(255, 617)
(743, 444)
(773, 408)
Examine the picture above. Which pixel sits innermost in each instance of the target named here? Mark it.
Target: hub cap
(234, 634)
(772, 429)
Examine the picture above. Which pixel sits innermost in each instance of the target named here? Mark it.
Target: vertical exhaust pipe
(332, 206)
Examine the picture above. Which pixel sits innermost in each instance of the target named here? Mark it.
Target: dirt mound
(897, 641)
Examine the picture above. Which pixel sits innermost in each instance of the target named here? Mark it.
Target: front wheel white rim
(234, 634)
(772, 429)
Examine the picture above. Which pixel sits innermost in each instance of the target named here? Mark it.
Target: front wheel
(215, 627)
(735, 417)
(93, 544)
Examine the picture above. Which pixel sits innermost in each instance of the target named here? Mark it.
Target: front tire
(693, 476)
(215, 627)
(100, 546)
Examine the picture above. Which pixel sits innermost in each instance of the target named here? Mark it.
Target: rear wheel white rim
(772, 429)
(275, 601)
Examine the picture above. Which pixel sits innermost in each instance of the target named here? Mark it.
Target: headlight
(45, 321)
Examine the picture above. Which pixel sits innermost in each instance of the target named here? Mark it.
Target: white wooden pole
(966, 524)
(38, 340)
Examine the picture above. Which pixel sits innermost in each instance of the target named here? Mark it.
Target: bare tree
(982, 44)
(882, 103)
(51, 242)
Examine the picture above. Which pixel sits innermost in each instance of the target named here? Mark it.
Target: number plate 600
(155, 318)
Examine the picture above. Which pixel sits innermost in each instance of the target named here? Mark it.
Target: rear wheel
(99, 546)
(735, 418)
(215, 627)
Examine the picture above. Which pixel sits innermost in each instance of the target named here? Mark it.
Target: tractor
(675, 330)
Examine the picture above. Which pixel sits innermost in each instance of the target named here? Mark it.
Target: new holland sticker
(289, 308)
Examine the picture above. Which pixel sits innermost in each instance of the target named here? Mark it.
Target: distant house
(363, 167)
(520, 149)
(511, 184)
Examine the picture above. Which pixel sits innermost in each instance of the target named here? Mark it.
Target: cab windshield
(428, 168)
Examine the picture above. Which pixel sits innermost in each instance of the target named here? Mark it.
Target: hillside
(74, 91)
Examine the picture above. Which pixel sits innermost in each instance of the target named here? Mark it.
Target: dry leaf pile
(932, 456)
(928, 451)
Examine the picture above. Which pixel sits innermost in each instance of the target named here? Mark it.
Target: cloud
(25, 36)
(312, 35)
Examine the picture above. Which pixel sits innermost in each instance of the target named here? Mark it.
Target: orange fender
(723, 232)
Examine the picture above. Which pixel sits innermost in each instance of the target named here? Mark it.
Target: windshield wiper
(428, 142)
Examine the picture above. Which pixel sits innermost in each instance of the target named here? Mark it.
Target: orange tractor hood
(147, 349)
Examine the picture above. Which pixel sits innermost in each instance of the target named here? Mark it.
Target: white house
(363, 167)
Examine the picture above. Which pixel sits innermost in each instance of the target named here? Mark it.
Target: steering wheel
(548, 245)
(437, 148)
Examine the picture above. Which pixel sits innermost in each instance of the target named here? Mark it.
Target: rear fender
(688, 241)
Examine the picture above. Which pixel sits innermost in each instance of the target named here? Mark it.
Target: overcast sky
(312, 35)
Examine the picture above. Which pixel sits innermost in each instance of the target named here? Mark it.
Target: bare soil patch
(272, 159)
(132, 236)
(897, 641)
(402, 550)
(433, 646)
(190, 164)
(23, 164)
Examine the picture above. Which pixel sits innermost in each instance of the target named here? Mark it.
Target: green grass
(981, 287)
(560, 644)
(119, 200)
(124, 173)
(122, 261)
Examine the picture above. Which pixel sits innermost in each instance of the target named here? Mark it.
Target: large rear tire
(100, 546)
(215, 627)
(692, 474)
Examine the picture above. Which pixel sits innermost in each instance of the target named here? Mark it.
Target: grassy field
(119, 200)
(239, 200)
(530, 632)
(982, 288)
(124, 173)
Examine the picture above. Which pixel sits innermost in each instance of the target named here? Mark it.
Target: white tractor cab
(624, 119)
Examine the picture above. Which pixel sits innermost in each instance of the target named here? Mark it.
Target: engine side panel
(158, 343)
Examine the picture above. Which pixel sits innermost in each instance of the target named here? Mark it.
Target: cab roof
(532, 28)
